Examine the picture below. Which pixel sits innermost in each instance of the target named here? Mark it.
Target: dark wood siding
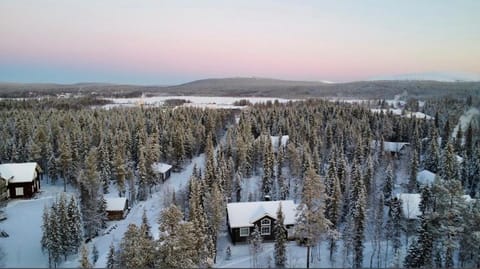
(28, 189)
(235, 232)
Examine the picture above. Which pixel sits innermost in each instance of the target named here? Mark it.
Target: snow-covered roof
(425, 177)
(468, 198)
(410, 204)
(19, 172)
(459, 159)
(283, 141)
(116, 204)
(246, 213)
(391, 146)
(161, 167)
(418, 115)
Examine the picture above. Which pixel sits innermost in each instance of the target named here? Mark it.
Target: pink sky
(175, 41)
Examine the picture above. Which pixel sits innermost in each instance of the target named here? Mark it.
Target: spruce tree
(280, 232)
(111, 257)
(412, 180)
(311, 221)
(358, 214)
(84, 261)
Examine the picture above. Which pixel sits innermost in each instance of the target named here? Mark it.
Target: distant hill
(262, 87)
(434, 76)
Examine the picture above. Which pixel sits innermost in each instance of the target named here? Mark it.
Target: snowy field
(195, 101)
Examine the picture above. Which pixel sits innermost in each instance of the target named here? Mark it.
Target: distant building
(425, 178)
(394, 148)
(22, 179)
(162, 170)
(242, 218)
(117, 208)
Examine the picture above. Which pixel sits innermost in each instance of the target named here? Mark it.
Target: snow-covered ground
(195, 101)
(23, 249)
(23, 224)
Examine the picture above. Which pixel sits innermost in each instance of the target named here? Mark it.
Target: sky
(169, 42)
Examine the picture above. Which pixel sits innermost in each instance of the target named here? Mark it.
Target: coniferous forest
(333, 159)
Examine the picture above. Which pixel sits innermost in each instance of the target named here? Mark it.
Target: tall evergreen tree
(280, 232)
(311, 221)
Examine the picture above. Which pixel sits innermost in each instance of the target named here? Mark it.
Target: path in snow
(152, 207)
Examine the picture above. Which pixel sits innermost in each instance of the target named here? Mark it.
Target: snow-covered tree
(280, 249)
(311, 221)
(84, 261)
(255, 241)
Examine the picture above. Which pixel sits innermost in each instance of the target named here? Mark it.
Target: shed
(162, 170)
(244, 216)
(22, 179)
(117, 208)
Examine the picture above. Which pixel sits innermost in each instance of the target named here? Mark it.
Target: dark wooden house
(162, 170)
(243, 217)
(117, 208)
(22, 179)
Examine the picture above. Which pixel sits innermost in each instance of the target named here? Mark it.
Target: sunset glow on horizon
(166, 42)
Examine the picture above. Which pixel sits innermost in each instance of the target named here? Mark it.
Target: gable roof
(244, 214)
(19, 172)
(390, 146)
(161, 167)
(425, 177)
(116, 204)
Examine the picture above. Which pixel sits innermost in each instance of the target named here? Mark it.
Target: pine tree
(388, 185)
(333, 200)
(432, 156)
(268, 165)
(120, 173)
(449, 169)
(177, 241)
(111, 257)
(92, 202)
(311, 221)
(420, 252)
(358, 214)
(280, 240)
(255, 241)
(84, 261)
(412, 180)
(395, 224)
(74, 226)
(94, 254)
(142, 194)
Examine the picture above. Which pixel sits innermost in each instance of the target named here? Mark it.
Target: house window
(265, 228)
(19, 191)
(245, 231)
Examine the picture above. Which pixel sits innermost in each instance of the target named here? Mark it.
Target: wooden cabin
(22, 179)
(243, 217)
(162, 170)
(117, 208)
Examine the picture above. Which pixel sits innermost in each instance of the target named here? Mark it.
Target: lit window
(245, 231)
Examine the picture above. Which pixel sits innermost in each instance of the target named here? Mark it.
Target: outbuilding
(162, 170)
(22, 179)
(117, 208)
